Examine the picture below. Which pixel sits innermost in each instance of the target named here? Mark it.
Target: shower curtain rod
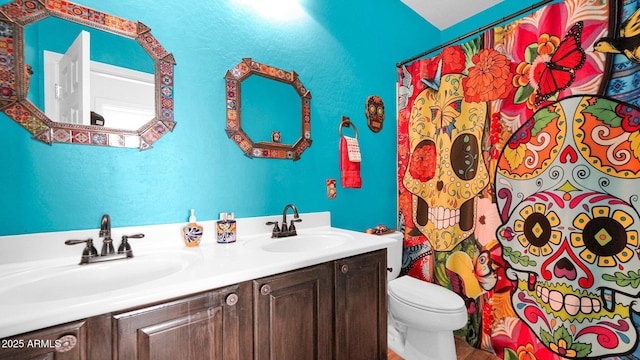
(477, 31)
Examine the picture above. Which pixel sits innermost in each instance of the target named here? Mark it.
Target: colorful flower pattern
(489, 79)
(423, 163)
(531, 41)
(502, 69)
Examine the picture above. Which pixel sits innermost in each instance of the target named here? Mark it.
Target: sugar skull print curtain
(519, 175)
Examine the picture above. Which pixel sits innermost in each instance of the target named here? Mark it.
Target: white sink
(71, 281)
(304, 243)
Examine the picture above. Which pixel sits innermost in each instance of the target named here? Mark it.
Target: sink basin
(305, 243)
(71, 281)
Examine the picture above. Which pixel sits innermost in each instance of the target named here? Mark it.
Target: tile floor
(464, 351)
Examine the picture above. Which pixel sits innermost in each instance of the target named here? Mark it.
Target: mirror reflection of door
(68, 83)
(120, 77)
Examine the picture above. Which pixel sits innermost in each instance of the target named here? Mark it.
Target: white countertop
(27, 258)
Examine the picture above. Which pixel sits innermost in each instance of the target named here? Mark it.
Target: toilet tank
(394, 254)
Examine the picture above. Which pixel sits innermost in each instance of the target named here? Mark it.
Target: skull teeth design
(569, 300)
(572, 304)
(444, 218)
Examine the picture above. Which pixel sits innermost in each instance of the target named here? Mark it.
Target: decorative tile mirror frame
(14, 82)
(273, 149)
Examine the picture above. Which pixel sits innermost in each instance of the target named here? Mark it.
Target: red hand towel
(350, 170)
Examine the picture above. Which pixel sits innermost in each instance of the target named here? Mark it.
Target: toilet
(421, 316)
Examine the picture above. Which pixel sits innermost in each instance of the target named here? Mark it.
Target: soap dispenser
(226, 229)
(192, 232)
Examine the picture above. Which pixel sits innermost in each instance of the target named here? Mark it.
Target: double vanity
(320, 294)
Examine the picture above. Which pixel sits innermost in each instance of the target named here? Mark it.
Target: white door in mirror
(71, 83)
(75, 86)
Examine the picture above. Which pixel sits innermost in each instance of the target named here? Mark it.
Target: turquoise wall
(343, 51)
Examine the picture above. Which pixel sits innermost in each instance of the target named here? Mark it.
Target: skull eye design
(466, 165)
(423, 161)
(604, 236)
(537, 229)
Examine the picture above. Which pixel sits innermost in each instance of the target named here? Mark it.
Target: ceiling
(444, 13)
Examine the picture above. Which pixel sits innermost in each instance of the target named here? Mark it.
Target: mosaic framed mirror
(262, 103)
(27, 30)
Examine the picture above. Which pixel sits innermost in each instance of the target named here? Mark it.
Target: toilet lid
(424, 295)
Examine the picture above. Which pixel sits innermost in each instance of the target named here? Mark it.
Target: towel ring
(347, 123)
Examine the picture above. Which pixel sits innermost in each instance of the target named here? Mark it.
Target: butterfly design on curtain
(558, 72)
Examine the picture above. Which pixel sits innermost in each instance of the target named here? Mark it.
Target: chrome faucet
(90, 254)
(105, 233)
(285, 230)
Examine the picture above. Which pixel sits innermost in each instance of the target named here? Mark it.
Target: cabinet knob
(344, 268)
(232, 299)
(265, 289)
(66, 343)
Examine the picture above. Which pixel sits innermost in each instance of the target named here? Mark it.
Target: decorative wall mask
(375, 113)
(274, 148)
(15, 16)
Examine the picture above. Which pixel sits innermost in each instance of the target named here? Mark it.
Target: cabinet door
(210, 325)
(72, 341)
(294, 315)
(361, 307)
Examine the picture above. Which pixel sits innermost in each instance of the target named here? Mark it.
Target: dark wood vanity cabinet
(335, 310)
(294, 314)
(210, 325)
(62, 342)
(361, 307)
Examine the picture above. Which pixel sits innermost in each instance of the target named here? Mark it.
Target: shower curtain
(519, 173)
